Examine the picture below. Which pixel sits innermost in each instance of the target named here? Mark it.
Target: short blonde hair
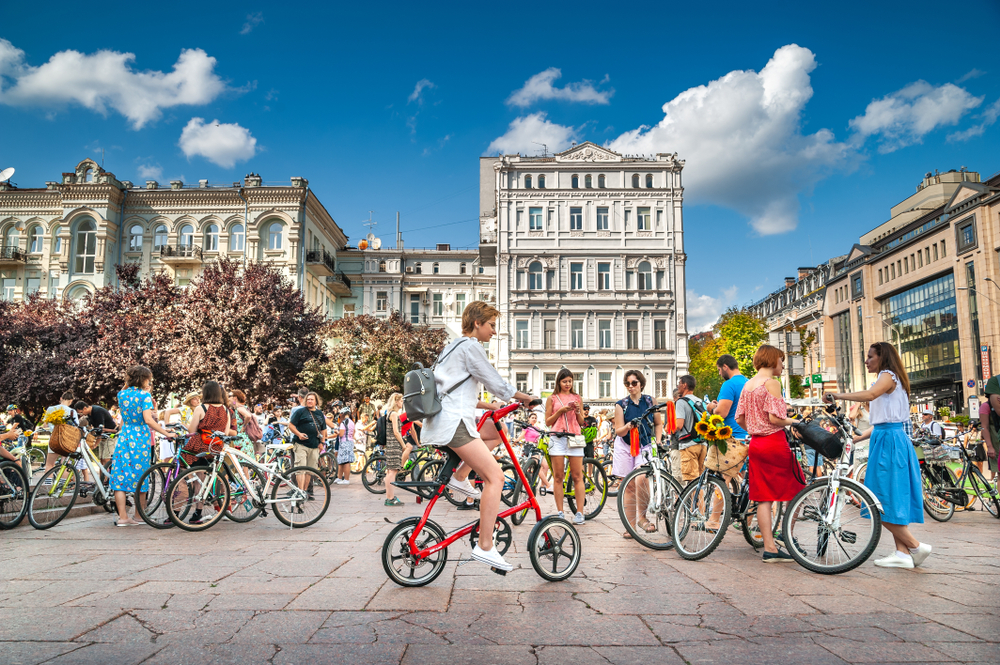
(390, 404)
(477, 312)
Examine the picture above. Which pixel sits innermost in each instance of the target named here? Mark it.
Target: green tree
(704, 353)
(740, 334)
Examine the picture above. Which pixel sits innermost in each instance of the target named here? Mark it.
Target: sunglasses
(631, 383)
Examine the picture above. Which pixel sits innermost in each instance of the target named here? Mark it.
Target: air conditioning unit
(409, 269)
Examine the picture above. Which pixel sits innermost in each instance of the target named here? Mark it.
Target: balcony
(180, 255)
(339, 284)
(11, 256)
(320, 263)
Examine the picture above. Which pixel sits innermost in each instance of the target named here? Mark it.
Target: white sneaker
(345, 481)
(337, 481)
(894, 561)
(578, 518)
(560, 515)
(464, 487)
(920, 554)
(491, 558)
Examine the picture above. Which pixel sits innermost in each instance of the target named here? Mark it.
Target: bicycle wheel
(197, 498)
(13, 495)
(595, 488)
(859, 475)
(554, 548)
(327, 465)
(936, 507)
(401, 566)
(986, 493)
(751, 530)
(509, 483)
(521, 494)
(373, 477)
(305, 497)
(456, 498)
(360, 459)
(242, 505)
(54, 496)
(614, 482)
(36, 460)
(832, 543)
(154, 512)
(647, 510)
(698, 524)
(428, 474)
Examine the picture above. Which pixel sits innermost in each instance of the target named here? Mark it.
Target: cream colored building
(65, 239)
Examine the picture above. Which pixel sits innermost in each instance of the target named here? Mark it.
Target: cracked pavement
(87, 592)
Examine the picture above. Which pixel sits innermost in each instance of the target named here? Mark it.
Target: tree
(370, 356)
(741, 333)
(704, 353)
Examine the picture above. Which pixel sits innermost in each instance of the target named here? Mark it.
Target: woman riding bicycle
(454, 426)
(564, 413)
(633, 442)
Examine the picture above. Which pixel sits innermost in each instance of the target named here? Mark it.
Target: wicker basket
(93, 441)
(736, 452)
(65, 439)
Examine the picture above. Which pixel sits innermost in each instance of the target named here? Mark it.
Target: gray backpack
(420, 396)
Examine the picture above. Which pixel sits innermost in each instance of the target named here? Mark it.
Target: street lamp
(975, 290)
(990, 279)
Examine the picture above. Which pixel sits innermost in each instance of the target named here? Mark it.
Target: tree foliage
(740, 334)
(704, 353)
(370, 356)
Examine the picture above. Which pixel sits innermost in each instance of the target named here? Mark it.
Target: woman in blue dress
(132, 452)
(893, 473)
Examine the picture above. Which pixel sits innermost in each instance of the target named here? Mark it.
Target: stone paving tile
(284, 627)
(53, 624)
(102, 654)
(856, 651)
(988, 652)
(419, 654)
(338, 594)
(33, 653)
(774, 652)
(214, 654)
(984, 627)
(354, 654)
(256, 602)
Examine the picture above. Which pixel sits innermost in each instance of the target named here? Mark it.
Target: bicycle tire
(242, 507)
(373, 477)
(693, 540)
(936, 508)
(154, 513)
(547, 542)
(318, 484)
(521, 494)
(360, 459)
(455, 497)
(595, 489)
(428, 474)
(751, 530)
(396, 548)
(188, 490)
(988, 495)
(49, 505)
(327, 465)
(14, 492)
(807, 509)
(614, 482)
(662, 516)
(510, 479)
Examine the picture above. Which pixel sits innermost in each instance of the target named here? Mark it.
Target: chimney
(789, 282)
(804, 272)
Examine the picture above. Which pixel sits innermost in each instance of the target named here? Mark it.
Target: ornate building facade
(65, 240)
(588, 246)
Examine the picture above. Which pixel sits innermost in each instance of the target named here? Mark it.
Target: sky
(800, 126)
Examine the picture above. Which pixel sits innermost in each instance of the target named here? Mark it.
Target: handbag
(252, 429)
(827, 444)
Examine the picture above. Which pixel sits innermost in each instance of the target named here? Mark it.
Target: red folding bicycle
(416, 550)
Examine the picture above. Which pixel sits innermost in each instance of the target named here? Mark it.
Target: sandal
(627, 535)
(646, 525)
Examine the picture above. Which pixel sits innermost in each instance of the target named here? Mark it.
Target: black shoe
(195, 517)
(777, 557)
(469, 506)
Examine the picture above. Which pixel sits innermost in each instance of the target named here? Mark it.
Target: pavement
(87, 592)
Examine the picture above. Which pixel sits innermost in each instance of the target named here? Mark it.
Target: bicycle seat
(279, 446)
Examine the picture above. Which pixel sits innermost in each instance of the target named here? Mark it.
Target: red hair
(768, 356)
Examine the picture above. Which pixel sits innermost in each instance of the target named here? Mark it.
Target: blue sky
(388, 107)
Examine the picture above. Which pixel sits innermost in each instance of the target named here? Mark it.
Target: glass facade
(926, 320)
(842, 350)
(970, 276)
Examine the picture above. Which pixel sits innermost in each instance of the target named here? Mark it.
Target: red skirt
(774, 473)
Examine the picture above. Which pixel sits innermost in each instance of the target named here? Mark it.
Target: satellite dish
(6, 174)
(363, 245)
(377, 243)
(370, 237)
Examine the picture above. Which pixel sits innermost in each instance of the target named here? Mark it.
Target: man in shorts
(98, 415)
(688, 411)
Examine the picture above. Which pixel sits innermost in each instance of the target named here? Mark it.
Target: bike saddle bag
(827, 444)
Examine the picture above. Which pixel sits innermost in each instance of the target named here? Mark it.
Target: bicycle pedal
(499, 571)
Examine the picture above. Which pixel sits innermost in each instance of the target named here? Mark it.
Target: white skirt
(559, 446)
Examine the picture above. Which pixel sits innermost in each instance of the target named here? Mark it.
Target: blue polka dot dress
(132, 451)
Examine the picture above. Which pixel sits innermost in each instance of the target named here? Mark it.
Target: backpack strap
(441, 359)
(441, 395)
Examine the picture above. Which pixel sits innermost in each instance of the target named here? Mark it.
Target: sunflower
(717, 421)
(724, 433)
(702, 427)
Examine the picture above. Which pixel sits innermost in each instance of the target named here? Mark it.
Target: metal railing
(181, 252)
(12, 253)
(339, 277)
(321, 256)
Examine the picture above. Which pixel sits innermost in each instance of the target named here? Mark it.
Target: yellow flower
(717, 421)
(702, 427)
(725, 432)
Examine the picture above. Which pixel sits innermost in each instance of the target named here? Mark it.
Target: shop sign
(984, 353)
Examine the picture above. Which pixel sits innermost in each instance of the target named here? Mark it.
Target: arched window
(159, 236)
(461, 268)
(437, 269)
(86, 247)
(274, 235)
(56, 241)
(135, 238)
(381, 266)
(237, 237)
(635, 181)
(535, 276)
(418, 268)
(600, 182)
(575, 180)
(187, 235)
(541, 182)
(10, 239)
(649, 181)
(77, 294)
(35, 239)
(645, 276)
(589, 182)
(88, 175)
(211, 238)
(527, 182)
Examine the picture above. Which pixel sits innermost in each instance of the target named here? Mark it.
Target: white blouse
(891, 407)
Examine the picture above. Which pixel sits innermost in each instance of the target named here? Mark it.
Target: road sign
(971, 383)
(817, 378)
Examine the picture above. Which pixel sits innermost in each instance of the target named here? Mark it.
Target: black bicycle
(943, 489)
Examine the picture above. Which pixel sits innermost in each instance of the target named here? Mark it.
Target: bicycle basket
(736, 452)
(826, 443)
(64, 439)
(92, 441)
(940, 453)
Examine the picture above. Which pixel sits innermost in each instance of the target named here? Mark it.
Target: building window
(927, 254)
(944, 251)
(522, 334)
(86, 247)
(880, 277)
(159, 237)
(576, 219)
(381, 301)
(459, 303)
(550, 381)
(57, 240)
(521, 382)
(604, 334)
(965, 233)
(601, 182)
(578, 383)
(632, 334)
(186, 236)
(461, 269)
(34, 284)
(935, 251)
(437, 269)
(35, 239)
(7, 288)
(417, 268)
(535, 276)
(645, 276)
(438, 305)
(527, 182)
(649, 181)
(970, 281)
(604, 276)
(659, 219)
(643, 220)
(660, 384)
(576, 334)
(534, 219)
(575, 182)
(602, 219)
(842, 350)
(576, 276)
(549, 334)
(541, 182)
(892, 266)
(920, 259)
(237, 238)
(588, 182)
(660, 334)
(628, 216)
(348, 311)
(414, 308)
(212, 238)
(857, 286)
(274, 236)
(604, 384)
(135, 238)
(635, 181)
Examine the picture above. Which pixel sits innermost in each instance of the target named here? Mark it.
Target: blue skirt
(893, 475)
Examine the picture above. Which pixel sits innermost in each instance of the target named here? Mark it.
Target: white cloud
(703, 311)
(988, 117)
(741, 136)
(150, 171)
(525, 132)
(971, 74)
(253, 20)
(906, 116)
(105, 80)
(540, 87)
(223, 144)
(418, 91)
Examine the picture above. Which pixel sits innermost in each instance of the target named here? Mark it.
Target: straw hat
(187, 400)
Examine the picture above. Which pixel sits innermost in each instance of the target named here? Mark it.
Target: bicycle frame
(235, 456)
(836, 500)
(531, 502)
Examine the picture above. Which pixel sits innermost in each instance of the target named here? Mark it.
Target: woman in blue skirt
(893, 473)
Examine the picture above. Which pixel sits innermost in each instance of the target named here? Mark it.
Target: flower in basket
(56, 417)
(703, 427)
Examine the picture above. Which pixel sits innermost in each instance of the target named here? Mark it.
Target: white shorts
(559, 446)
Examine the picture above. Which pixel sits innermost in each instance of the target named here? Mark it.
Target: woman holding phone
(564, 413)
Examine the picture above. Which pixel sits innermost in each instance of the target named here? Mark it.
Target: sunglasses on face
(631, 383)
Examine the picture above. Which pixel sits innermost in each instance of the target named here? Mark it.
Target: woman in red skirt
(774, 473)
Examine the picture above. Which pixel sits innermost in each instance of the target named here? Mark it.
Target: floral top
(755, 406)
